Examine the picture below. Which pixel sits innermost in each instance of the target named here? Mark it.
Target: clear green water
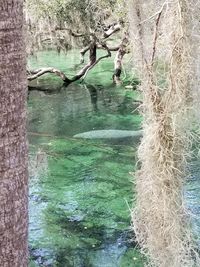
(81, 190)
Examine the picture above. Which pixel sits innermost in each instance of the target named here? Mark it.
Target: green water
(80, 190)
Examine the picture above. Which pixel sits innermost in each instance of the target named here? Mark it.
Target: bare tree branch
(113, 29)
(74, 34)
(34, 74)
(93, 61)
(83, 51)
(98, 60)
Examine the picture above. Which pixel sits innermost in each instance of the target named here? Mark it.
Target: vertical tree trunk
(118, 66)
(118, 61)
(13, 149)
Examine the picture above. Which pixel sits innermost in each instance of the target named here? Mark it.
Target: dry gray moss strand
(161, 32)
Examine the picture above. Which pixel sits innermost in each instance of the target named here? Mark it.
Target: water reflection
(94, 96)
(79, 189)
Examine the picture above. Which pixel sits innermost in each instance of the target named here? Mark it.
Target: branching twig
(156, 35)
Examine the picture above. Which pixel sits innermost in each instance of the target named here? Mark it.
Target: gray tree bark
(13, 147)
(118, 60)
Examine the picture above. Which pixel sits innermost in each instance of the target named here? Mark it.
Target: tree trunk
(13, 148)
(118, 66)
(118, 60)
(92, 60)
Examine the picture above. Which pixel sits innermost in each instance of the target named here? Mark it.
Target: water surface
(81, 191)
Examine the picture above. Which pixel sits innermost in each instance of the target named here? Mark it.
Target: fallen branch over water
(93, 61)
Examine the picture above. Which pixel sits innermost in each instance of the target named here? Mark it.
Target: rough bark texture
(13, 151)
(118, 60)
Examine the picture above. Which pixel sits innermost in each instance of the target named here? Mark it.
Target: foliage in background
(56, 22)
